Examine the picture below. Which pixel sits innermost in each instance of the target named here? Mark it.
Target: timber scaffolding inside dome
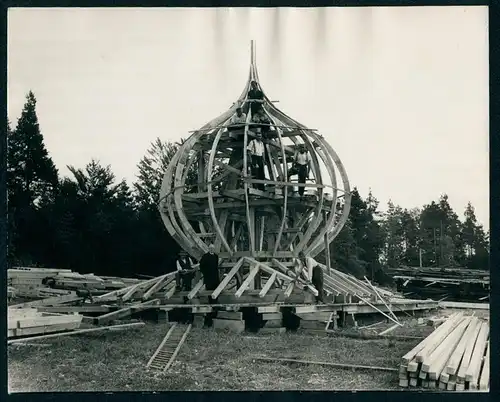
(208, 197)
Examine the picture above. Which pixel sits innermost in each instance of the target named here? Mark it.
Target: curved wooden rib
(170, 221)
(215, 223)
(179, 190)
(317, 246)
(285, 193)
(166, 190)
(317, 214)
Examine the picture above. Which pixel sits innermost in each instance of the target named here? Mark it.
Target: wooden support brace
(158, 285)
(247, 281)
(228, 277)
(196, 289)
(289, 289)
(268, 284)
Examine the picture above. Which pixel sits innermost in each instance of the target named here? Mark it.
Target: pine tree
(475, 241)
(394, 235)
(31, 172)
(32, 180)
(409, 223)
(468, 230)
(439, 225)
(451, 228)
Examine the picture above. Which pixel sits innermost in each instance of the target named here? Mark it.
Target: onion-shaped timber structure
(207, 196)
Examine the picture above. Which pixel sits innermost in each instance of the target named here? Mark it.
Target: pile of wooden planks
(453, 357)
(28, 321)
(44, 282)
(458, 284)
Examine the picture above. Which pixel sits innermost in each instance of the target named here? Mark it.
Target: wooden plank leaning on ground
(328, 364)
(81, 331)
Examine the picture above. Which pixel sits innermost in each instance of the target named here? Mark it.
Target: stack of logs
(453, 357)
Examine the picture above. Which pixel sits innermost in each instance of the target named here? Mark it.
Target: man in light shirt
(255, 151)
(309, 269)
(237, 122)
(301, 166)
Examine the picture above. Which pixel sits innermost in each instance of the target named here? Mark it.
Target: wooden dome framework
(207, 197)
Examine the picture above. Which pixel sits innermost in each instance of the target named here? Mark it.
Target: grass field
(208, 360)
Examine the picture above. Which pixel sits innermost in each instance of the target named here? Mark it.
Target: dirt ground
(208, 360)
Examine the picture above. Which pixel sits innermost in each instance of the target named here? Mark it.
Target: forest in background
(91, 222)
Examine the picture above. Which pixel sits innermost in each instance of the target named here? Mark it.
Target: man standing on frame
(301, 166)
(256, 151)
(309, 268)
(237, 124)
(256, 98)
(209, 267)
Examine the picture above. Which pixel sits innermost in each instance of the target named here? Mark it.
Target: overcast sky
(400, 93)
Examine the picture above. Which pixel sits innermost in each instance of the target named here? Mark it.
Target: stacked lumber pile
(448, 273)
(45, 282)
(458, 284)
(453, 357)
(28, 321)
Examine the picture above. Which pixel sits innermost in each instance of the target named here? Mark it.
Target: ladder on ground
(166, 353)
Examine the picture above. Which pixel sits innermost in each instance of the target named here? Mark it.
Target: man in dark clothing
(209, 267)
(254, 94)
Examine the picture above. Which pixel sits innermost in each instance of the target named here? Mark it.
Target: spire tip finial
(252, 52)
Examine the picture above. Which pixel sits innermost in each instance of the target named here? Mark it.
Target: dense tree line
(90, 222)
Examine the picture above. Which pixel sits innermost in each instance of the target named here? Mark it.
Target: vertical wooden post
(328, 262)
(252, 231)
(201, 171)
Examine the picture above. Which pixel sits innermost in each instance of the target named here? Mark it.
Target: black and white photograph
(262, 199)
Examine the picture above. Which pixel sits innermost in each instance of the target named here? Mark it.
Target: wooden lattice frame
(242, 221)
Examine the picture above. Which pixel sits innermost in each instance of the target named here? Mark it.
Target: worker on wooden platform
(185, 273)
(256, 151)
(237, 123)
(209, 267)
(260, 120)
(309, 268)
(301, 167)
(255, 98)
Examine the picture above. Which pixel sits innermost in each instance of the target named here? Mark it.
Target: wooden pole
(327, 248)
(82, 331)
(328, 364)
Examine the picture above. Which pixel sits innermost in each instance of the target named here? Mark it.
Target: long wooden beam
(78, 332)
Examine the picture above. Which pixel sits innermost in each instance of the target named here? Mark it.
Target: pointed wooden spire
(252, 52)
